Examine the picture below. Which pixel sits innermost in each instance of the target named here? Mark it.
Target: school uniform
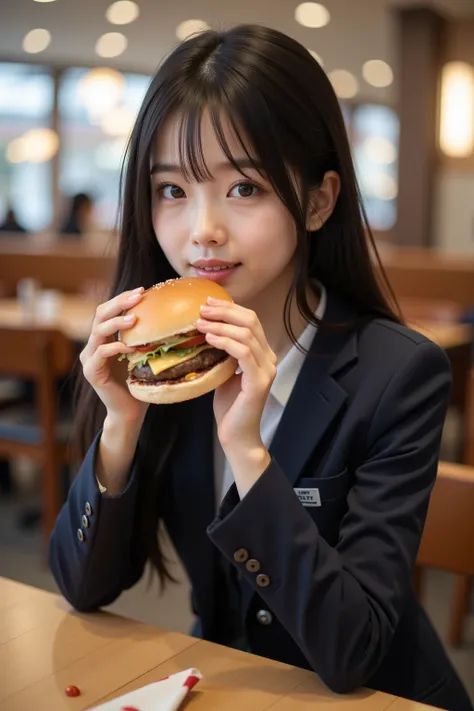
(313, 566)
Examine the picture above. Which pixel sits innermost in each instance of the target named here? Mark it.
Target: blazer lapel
(317, 396)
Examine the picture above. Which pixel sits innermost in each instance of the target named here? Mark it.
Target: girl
(296, 495)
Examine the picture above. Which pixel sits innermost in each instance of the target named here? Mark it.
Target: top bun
(169, 308)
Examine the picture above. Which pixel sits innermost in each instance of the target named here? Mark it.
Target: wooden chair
(463, 584)
(447, 542)
(37, 431)
(449, 311)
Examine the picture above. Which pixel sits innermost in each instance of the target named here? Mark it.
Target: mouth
(214, 269)
(217, 269)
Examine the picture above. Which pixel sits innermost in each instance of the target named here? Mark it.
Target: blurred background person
(10, 222)
(79, 216)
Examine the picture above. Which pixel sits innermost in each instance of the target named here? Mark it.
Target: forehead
(168, 145)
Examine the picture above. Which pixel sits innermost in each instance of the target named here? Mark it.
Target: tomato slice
(190, 343)
(196, 341)
(145, 349)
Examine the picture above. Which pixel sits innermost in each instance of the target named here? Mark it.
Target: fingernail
(138, 289)
(206, 309)
(129, 317)
(211, 300)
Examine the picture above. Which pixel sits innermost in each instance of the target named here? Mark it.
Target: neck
(271, 302)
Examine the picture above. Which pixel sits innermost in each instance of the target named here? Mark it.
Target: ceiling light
(384, 187)
(457, 110)
(122, 12)
(43, 0)
(344, 83)
(36, 146)
(15, 151)
(190, 27)
(377, 73)
(317, 57)
(100, 90)
(36, 41)
(312, 14)
(380, 150)
(111, 44)
(118, 122)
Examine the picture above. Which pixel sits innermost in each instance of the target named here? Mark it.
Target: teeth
(217, 269)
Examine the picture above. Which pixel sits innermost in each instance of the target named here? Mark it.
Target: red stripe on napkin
(191, 681)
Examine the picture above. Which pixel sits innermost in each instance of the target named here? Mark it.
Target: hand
(101, 347)
(239, 403)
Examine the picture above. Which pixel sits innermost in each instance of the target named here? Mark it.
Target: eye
(244, 190)
(168, 191)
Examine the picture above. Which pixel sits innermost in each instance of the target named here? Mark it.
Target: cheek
(272, 234)
(166, 228)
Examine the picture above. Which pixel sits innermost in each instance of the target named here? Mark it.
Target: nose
(207, 228)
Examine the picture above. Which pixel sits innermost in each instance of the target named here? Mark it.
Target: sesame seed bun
(170, 308)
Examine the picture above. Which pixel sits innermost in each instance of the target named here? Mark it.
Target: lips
(213, 264)
(214, 269)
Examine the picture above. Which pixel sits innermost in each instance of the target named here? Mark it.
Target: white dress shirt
(287, 373)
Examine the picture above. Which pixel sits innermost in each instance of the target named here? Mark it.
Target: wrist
(248, 463)
(117, 424)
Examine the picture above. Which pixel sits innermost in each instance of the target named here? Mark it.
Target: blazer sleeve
(93, 563)
(342, 605)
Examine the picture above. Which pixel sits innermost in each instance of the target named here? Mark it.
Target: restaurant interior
(73, 74)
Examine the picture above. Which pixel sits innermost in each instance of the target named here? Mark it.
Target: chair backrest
(448, 538)
(24, 352)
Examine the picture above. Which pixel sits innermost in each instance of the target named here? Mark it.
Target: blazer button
(88, 509)
(263, 581)
(241, 555)
(265, 617)
(85, 521)
(80, 534)
(252, 565)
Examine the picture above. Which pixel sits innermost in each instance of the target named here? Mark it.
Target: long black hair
(285, 114)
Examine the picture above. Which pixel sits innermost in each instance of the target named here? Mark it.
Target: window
(97, 111)
(375, 134)
(26, 103)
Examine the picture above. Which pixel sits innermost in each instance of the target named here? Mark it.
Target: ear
(322, 201)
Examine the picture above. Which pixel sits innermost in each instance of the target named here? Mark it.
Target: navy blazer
(328, 587)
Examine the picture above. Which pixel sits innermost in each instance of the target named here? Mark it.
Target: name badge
(309, 497)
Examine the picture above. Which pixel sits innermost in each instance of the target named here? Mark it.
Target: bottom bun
(167, 393)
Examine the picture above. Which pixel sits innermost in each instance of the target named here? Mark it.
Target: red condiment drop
(72, 691)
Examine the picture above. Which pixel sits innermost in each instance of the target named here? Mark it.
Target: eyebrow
(241, 163)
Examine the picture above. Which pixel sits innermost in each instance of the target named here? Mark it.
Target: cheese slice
(168, 360)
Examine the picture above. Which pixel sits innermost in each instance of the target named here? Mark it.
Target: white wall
(453, 211)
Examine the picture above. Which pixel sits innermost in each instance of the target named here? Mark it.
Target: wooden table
(64, 264)
(44, 647)
(74, 316)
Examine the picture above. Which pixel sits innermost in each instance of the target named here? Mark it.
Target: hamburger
(172, 361)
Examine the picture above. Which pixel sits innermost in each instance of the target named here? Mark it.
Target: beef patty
(203, 361)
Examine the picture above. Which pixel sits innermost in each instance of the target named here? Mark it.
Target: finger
(260, 377)
(103, 328)
(92, 365)
(119, 323)
(117, 305)
(242, 334)
(237, 315)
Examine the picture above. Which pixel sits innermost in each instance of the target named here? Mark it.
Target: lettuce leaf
(161, 350)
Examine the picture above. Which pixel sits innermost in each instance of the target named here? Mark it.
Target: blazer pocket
(331, 495)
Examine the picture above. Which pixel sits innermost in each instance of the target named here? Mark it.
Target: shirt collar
(289, 367)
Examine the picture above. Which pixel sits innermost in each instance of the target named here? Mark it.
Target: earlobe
(322, 201)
